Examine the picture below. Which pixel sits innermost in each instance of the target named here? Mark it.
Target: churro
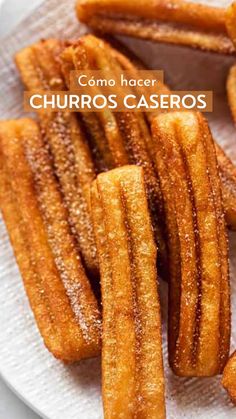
(132, 370)
(93, 142)
(39, 67)
(230, 22)
(231, 89)
(109, 150)
(229, 377)
(117, 138)
(226, 167)
(227, 172)
(59, 291)
(199, 295)
(174, 21)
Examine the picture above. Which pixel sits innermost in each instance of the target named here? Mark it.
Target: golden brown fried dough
(132, 370)
(226, 166)
(59, 292)
(230, 22)
(229, 377)
(199, 295)
(107, 153)
(39, 68)
(109, 139)
(117, 138)
(174, 21)
(227, 172)
(231, 91)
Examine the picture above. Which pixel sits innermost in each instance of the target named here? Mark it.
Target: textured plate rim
(21, 397)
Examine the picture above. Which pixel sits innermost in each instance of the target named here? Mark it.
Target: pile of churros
(100, 205)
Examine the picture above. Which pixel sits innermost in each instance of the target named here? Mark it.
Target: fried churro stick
(40, 69)
(227, 172)
(133, 381)
(59, 292)
(226, 167)
(230, 22)
(82, 56)
(199, 296)
(231, 89)
(174, 21)
(229, 377)
(125, 137)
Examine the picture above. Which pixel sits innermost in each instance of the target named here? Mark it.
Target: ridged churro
(132, 370)
(117, 138)
(174, 21)
(58, 289)
(199, 295)
(107, 152)
(39, 67)
(93, 142)
(226, 167)
(229, 377)
(230, 22)
(227, 172)
(231, 91)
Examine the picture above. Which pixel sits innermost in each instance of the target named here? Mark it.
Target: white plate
(53, 390)
(12, 12)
